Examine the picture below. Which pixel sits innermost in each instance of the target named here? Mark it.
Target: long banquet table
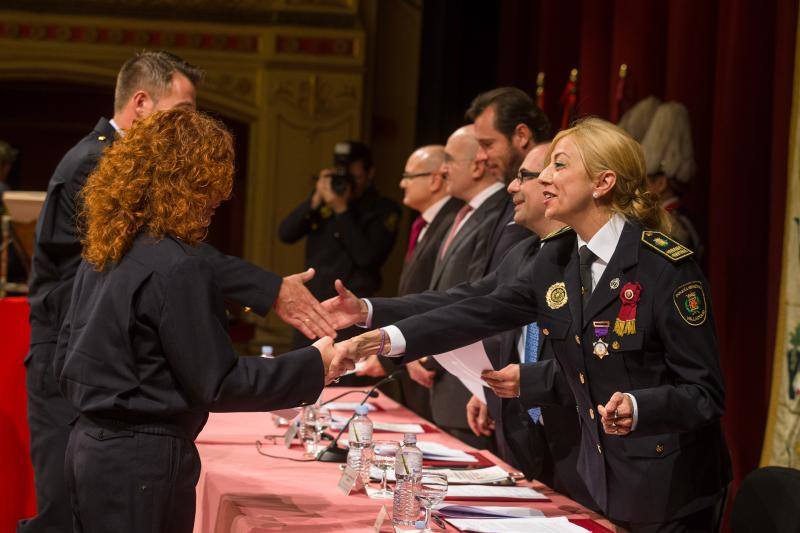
(242, 491)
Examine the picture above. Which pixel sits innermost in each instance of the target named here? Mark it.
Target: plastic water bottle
(407, 468)
(359, 456)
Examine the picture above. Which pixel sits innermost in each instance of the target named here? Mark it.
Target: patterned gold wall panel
(300, 89)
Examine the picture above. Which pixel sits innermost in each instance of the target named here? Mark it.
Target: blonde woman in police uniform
(625, 311)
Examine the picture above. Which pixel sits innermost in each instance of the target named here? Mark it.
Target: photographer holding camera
(350, 227)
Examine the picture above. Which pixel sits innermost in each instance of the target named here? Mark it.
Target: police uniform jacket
(351, 246)
(58, 247)
(675, 462)
(145, 344)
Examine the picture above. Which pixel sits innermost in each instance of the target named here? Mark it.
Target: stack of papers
(469, 478)
(492, 493)
(470, 511)
(477, 476)
(558, 524)
(439, 452)
(338, 422)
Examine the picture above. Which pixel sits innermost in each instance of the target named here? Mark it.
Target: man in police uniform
(148, 82)
(351, 228)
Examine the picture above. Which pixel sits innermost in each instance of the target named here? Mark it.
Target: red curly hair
(163, 177)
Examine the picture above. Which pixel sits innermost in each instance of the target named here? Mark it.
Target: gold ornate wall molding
(299, 89)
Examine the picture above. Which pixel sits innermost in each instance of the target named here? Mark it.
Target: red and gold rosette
(626, 319)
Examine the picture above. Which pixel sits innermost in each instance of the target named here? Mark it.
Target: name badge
(290, 434)
(350, 482)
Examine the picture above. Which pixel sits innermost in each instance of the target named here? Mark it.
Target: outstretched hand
(344, 309)
(297, 307)
(335, 361)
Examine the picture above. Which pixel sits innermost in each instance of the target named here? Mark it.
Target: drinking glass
(430, 488)
(308, 429)
(383, 456)
(323, 421)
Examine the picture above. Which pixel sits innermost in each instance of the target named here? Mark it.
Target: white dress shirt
(429, 214)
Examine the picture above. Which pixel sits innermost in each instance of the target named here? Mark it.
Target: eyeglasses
(526, 175)
(407, 176)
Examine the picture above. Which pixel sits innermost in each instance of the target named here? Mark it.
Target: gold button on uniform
(577, 340)
(659, 448)
(615, 345)
(546, 331)
(101, 137)
(591, 413)
(582, 378)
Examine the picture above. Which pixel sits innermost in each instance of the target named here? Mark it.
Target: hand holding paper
(505, 382)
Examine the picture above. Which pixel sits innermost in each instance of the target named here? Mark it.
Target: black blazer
(146, 341)
(675, 462)
(417, 271)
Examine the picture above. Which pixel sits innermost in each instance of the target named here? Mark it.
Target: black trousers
(124, 481)
(49, 418)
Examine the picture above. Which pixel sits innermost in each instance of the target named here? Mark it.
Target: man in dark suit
(148, 82)
(543, 450)
(508, 125)
(425, 191)
(463, 256)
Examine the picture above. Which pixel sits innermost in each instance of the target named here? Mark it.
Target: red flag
(569, 99)
(619, 94)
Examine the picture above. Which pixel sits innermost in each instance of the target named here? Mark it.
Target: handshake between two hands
(296, 306)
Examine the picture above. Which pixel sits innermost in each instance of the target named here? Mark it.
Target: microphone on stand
(332, 453)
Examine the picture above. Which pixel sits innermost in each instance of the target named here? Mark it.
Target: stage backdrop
(730, 62)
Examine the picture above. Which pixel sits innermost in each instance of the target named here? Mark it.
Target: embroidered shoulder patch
(690, 301)
(665, 245)
(556, 233)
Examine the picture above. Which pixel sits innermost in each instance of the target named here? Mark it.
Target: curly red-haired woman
(144, 353)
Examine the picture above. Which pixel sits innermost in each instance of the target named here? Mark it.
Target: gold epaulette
(665, 245)
(556, 233)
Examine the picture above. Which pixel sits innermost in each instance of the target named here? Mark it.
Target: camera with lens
(342, 179)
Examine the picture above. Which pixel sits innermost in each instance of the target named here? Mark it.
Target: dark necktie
(586, 257)
(416, 229)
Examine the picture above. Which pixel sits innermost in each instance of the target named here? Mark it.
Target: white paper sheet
(348, 406)
(440, 452)
(490, 491)
(466, 364)
(558, 524)
(477, 476)
(486, 511)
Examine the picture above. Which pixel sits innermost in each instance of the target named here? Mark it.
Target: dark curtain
(731, 63)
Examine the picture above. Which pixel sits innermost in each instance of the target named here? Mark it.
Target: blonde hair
(606, 147)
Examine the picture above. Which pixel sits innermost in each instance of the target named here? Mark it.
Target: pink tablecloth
(242, 491)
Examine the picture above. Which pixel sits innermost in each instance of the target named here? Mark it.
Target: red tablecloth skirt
(17, 498)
